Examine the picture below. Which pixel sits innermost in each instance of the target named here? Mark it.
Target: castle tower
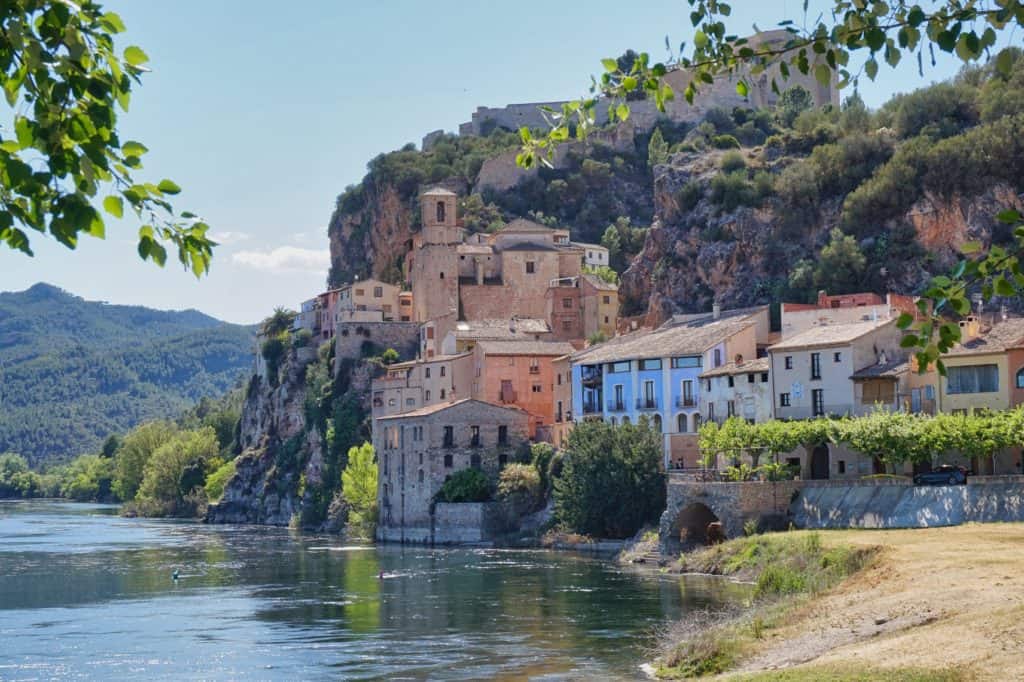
(435, 264)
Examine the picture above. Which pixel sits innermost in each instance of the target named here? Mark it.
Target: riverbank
(937, 603)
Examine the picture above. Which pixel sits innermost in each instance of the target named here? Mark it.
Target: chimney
(716, 311)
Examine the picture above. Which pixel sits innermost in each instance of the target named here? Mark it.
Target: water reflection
(85, 592)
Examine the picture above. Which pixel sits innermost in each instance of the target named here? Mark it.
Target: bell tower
(437, 210)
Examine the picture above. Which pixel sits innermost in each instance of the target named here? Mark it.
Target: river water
(85, 594)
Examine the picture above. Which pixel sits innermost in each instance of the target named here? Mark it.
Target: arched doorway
(819, 462)
(682, 423)
(691, 526)
(657, 423)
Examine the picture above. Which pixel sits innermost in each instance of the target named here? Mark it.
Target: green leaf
(823, 74)
(114, 205)
(700, 40)
(1004, 62)
(908, 341)
(904, 320)
(741, 89)
(610, 65)
(132, 148)
(168, 187)
(1009, 216)
(970, 247)
(622, 111)
(135, 56)
(1003, 288)
(629, 83)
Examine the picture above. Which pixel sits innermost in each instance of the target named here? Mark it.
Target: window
(360, 292)
(696, 423)
(449, 436)
(815, 365)
(430, 332)
(474, 436)
(718, 357)
(730, 408)
(474, 461)
(567, 303)
(711, 412)
(566, 325)
(651, 364)
(973, 379)
(442, 275)
(531, 267)
(837, 357)
(420, 477)
(606, 299)
(764, 377)
(750, 378)
(426, 396)
(618, 404)
(789, 362)
(649, 401)
(378, 292)
(841, 464)
(426, 372)
(618, 367)
(558, 378)
(536, 388)
(732, 382)
(440, 211)
(409, 402)
(448, 462)
(708, 385)
(687, 394)
(818, 402)
(502, 461)
(502, 435)
(689, 361)
(442, 394)
(681, 423)
(1020, 378)
(606, 319)
(783, 400)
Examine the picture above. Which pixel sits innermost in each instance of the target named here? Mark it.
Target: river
(86, 594)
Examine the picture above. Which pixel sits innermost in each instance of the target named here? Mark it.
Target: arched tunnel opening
(697, 525)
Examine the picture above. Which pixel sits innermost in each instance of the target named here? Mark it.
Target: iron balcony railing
(591, 407)
(616, 406)
(683, 401)
(646, 403)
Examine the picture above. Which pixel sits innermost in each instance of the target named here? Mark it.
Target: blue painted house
(655, 373)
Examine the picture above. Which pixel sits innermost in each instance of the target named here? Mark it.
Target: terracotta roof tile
(830, 335)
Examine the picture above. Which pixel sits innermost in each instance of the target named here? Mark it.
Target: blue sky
(264, 111)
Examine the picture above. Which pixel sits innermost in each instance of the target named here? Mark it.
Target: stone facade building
(418, 450)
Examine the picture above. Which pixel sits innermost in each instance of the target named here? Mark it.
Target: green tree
(65, 83)
(611, 481)
(793, 102)
(605, 273)
(165, 485)
(519, 485)
(14, 474)
(840, 266)
(133, 454)
(359, 489)
(541, 455)
(610, 240)
(465, 485)
(217, 481)
(657, 149)
(88, 478)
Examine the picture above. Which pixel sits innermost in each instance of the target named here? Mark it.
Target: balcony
(591, 407)
(682, 401)
(646, 403)
(507, 396)
(534, 369)
(616, 406)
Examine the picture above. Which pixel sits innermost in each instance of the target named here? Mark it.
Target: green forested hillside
(74, 371)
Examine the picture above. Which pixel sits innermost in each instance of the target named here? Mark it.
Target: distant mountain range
(74, 371)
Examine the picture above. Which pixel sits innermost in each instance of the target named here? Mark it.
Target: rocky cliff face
(696, 256)
(275, 442)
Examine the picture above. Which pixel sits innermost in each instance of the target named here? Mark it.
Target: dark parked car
(947, 474)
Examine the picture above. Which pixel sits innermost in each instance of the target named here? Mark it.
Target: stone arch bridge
(691, 504)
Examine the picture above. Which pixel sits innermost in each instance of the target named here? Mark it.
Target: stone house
(563, 401)
(417, 451)
(520, 373)
(369, 300)
(408, 386)
(740, 388)
(599, 301)
(464, 335)
(326, 303)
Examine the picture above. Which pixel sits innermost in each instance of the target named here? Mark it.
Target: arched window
(696, 422)
(1020, 378)
(681, 423)
(440, 211)
(657, 423)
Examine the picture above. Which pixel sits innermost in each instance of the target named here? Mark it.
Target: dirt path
(936, 598)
